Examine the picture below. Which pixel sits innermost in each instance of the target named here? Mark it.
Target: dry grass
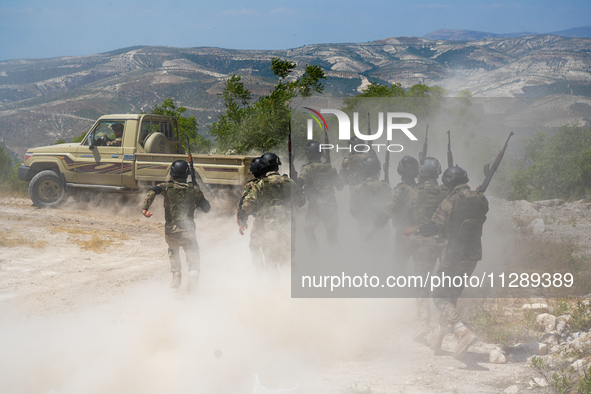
(97, 241)
(8, 240)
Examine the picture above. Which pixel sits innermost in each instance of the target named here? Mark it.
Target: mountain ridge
(42, 100)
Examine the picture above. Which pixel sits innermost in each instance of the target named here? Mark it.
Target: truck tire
(47, 189)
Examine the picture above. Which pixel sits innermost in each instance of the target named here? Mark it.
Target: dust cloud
(109, 323)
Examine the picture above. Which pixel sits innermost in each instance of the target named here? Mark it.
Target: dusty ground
(104, 320)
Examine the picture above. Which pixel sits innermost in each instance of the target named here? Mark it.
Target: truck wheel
(47, 190)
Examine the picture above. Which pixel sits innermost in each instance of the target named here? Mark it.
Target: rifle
(195, 177)
(423, 154)
(490, 170)
(450, 156)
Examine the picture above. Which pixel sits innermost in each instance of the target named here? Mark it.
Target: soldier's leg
(175, 259)
(191, 248)
(311, 220)
(446, 302)
(330, 220)
(255, 245)
(427, 251)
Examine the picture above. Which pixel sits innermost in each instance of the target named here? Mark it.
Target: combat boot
(175, 283)
(435, 339)
(466, 338)
(193, 281)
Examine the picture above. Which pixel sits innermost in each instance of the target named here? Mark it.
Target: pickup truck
(105, 160)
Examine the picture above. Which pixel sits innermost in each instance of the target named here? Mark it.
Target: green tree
(188, 126)
(555, 166)
(263, 125)
(6, 165)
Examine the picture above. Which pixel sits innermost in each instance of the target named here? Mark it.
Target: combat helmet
(408, 167)
(270, 162)
(256, 167)
(430, 168)
(454, 176)
(312, 151)
(179, 169)
(371, 166)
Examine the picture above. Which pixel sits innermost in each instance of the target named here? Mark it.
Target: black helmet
(256, 167)
(430, 168)
(453, 177)
(179, 169)
(312, 150)
(270, 162)
(371, 166)
(408, 167)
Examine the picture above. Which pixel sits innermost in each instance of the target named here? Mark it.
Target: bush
(557, 166)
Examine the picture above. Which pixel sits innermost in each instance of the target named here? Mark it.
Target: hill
(42, 100)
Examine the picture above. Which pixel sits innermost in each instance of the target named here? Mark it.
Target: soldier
(399, 210)
(424, 200)
(180, 201)
(369, 197)
(351, 171)
(256, 169)
(459, 219)
(319, 181)
(270, 201)
(118, 131)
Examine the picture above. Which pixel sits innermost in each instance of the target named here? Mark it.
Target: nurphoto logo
(392, 124)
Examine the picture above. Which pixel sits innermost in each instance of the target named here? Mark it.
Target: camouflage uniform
(460, 218)
(398, 208)
(424, 200)
(319, 182)
(180, 201)
(368, 200)
(270, 201)
(352, 171)
(255, 243)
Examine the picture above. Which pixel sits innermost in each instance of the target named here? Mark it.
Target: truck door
(100, 156)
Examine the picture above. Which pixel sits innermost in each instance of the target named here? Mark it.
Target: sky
(40, 29)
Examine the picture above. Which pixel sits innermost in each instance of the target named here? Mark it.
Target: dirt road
(85, 307)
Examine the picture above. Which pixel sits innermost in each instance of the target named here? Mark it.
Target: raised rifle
(423, 154)
(326, 142)
(489, 170)
(450, 156)
(195, 177)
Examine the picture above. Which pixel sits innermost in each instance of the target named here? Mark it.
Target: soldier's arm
(150, 196)
(200, 201)
(297, 195)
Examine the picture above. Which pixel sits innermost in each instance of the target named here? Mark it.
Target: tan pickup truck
(107, 160)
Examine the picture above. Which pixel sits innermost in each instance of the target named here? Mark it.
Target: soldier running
(180, 201)
(459, 219)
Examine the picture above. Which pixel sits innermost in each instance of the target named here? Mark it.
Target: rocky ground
(85, 307)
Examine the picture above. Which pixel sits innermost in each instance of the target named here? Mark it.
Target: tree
(6, 164)
(187, 125)
(263, 125)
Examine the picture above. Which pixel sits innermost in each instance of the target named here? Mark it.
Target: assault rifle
(490, 170)
(450, 157)
(326, 142)
(423, 154)
(195, 177)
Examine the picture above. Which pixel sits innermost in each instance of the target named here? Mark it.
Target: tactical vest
(276, 198)
(467, 216)
(428, 197)
(179, 205)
